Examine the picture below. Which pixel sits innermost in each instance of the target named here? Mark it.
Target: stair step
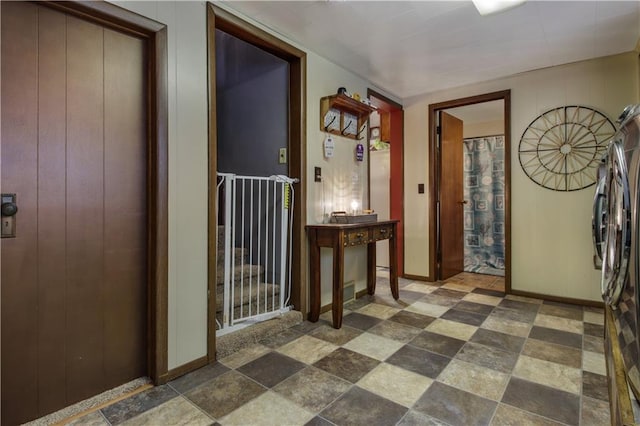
(255, 271)
(240, 254)
(272, 290)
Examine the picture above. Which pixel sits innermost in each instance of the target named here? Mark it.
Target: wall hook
(346, 127)
(326, 128)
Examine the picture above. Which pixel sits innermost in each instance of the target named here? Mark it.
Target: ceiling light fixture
(487, 7)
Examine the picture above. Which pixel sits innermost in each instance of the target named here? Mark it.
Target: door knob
(9, 209)
(463, 202)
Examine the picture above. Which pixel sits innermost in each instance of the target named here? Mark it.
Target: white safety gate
(254, 239)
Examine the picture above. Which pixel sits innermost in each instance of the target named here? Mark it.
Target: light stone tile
(268, 409)
(593, 318)
(507, 415)
(378, 311)
(373, 346)
(328, 316)
(420, 288)
(482, 298)
(245, 355)
(454, 329)
(475, 379)
(91, 419)
(558, 323)
(515, 328)
(177, 411)
(594, 362)
(458, 287)
(307, 349)
(427, 309)
(524, 299)
(395, 383)
(549, 373)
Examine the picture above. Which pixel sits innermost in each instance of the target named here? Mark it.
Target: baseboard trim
(327, 308)
(551, 298)
(417, 277)
(183, 369)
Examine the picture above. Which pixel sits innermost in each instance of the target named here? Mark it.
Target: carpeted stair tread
(241, 272)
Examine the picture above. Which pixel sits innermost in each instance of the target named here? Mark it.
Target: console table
(337, 237)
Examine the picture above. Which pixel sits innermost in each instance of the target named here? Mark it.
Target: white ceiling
(416, 47)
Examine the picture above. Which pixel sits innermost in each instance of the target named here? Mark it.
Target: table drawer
(356, 237)
(382, 232)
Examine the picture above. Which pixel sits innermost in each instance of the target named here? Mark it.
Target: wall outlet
(282, 156)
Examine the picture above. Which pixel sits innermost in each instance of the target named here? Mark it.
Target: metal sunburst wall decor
(561, 149)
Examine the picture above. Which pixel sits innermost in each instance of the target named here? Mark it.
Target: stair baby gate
(254, 249)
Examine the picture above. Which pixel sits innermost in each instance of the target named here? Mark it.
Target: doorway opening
(245, 66)
(386, 171)
(469, 158)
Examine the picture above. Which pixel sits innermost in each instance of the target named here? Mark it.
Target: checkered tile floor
(454, 353)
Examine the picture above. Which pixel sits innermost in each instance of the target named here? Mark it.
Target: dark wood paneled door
(74, 149)
(451, 196)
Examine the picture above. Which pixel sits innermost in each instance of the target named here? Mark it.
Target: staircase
(249, 286)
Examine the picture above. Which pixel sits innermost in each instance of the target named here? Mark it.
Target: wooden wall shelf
(345, 105)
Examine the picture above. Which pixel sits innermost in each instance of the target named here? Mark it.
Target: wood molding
(417, 277)
(327, 308)
(505, 96)
(218, 18)
(155, 34)
(551, 298)
(184, 369)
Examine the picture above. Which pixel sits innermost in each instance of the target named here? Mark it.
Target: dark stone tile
(595, 386)
(437, 343)
(281, 338)
(272, 368)
(488, 292)
(318, 421)
(388, 300)
(361, 407)
(395, 331)
(358, 303)
(419, 361)
(338, 336)
(561, 311)
(514, 315)
(506, 342)
(595, 412)
(307, 326)
(489, 357)
(412, 319)
(449, 293)
(439, 300)
(543, 400)
(464, 317)
(347, 364)
(556, 336)
(137, 404)
(455, 406)
(225, 393)
(312, 388)
(198, 377)
(360, 321)
(593, 344)
(547, 351)
(414, 418)
(519, 306)
(594, 330)
(476, 308)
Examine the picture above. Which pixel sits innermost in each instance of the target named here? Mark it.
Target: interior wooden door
(74, 149)
(451, 196)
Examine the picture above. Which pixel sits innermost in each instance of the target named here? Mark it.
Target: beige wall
(551, 231)
(485, 128)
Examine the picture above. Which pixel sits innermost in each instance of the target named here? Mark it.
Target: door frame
(155, 34)
(218, 18)
(434, 185)
(396, 170)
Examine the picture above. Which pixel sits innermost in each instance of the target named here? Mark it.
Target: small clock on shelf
(349, 124)
(375, 133)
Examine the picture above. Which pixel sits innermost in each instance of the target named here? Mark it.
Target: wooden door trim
(218, 18)
(400, 188)
(504, 95)
(155, 33)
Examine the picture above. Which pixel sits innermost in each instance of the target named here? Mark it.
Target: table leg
(338, 283)
(393, 264)
(371, 268)
(314, 276)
